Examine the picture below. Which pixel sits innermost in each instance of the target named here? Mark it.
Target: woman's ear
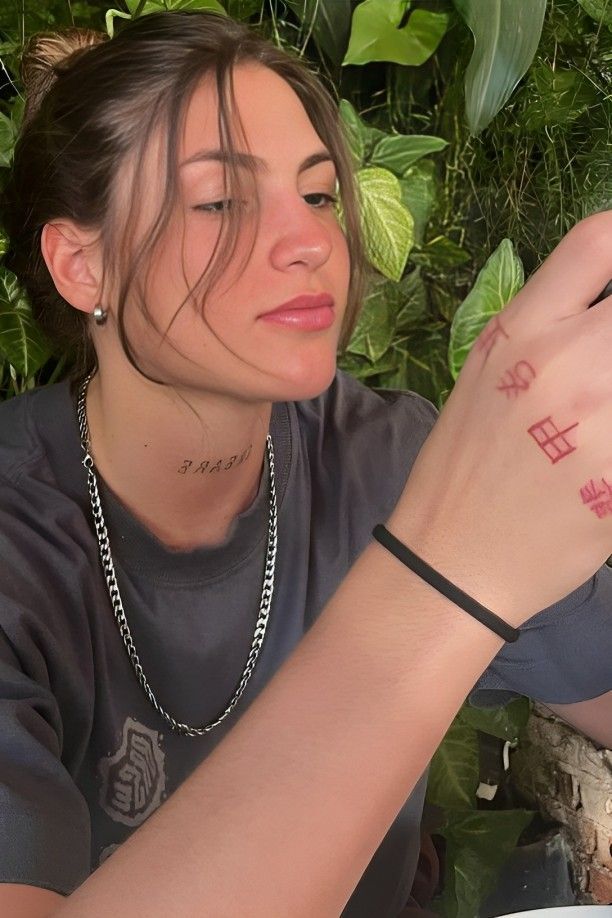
(72, 255)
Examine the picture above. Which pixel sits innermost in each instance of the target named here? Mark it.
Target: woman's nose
(300, 236)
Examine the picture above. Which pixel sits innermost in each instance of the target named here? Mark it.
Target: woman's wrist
(459, 559)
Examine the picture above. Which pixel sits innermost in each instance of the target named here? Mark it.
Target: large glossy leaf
(453, 774)
(504, 722)
(376, 36)
(21, 341)
(600, 10)
(398, 152)
(478, 844)
(500, 279)
(506, 36)
(387, 223)
(376, 325)
(329, 22)
(418, 194)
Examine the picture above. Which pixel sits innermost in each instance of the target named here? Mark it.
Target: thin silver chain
(113, 590)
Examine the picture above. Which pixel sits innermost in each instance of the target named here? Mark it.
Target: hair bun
(42, 59)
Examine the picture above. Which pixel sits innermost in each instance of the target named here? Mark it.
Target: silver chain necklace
(118, 611)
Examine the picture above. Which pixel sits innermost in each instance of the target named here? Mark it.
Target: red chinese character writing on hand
(518, 378)
(490, 335)
(552, 440)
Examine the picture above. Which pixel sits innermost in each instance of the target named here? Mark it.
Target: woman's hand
(511, 495)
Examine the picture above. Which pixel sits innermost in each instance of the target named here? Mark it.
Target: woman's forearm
(284, 816)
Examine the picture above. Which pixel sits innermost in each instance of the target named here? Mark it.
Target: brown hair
(93, 106)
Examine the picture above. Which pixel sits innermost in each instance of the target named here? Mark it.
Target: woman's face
(298, 248)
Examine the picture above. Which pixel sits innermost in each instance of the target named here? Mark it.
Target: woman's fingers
(575, 273)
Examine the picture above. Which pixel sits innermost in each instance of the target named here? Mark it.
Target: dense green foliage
(477, 144)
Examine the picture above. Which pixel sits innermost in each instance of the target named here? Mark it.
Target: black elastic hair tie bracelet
(444, 586)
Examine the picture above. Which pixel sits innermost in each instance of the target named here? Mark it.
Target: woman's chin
(302, 380)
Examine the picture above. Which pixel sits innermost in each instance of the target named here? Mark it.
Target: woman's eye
(322, 200)
(328, 199)
(216, 207)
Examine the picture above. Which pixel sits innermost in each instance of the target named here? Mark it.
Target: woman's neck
(184, 466)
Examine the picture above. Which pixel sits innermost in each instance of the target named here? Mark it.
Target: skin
(373, 691)
(224, 373)
(517, 379)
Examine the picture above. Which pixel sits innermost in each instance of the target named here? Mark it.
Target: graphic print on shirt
(133, 779)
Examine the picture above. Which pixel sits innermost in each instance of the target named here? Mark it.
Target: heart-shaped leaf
(398, 152)
(499, 280)
(376, 36)
(388, 225)
(21, 340)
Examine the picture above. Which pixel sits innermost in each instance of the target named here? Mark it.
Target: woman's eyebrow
(247, 159)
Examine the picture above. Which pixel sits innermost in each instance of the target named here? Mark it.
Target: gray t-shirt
(84, 757)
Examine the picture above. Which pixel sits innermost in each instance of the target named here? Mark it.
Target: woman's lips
(305, 313)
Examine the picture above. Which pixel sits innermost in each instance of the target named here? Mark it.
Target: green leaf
(242, 9)
(505, 722)
(398, 152)
(362, 137)
(506, 37)
(155, 6)
(441, 253)
(8, 134)
(110, 17)
(498, 281)
(361, 368)
(412, 300)
(387, 224)
(353, 130)
(329, 22)
(3, 243)
(376, 325)
(559, 97)
(422, 362)
(599, 10)
(454, 770)
(195, 5)
(375, 35)
(21, 341)
(418, 186)
(478, 842)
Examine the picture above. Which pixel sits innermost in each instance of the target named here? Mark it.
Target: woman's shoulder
(27, 422)
(361, 442)
(41, 502)
(351, 414)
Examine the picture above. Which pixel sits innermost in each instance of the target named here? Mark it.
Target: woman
(171, 213)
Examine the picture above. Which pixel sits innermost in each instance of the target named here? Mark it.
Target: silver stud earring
(100, 315)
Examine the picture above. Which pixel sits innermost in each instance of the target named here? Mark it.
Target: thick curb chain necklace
(111, 581)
